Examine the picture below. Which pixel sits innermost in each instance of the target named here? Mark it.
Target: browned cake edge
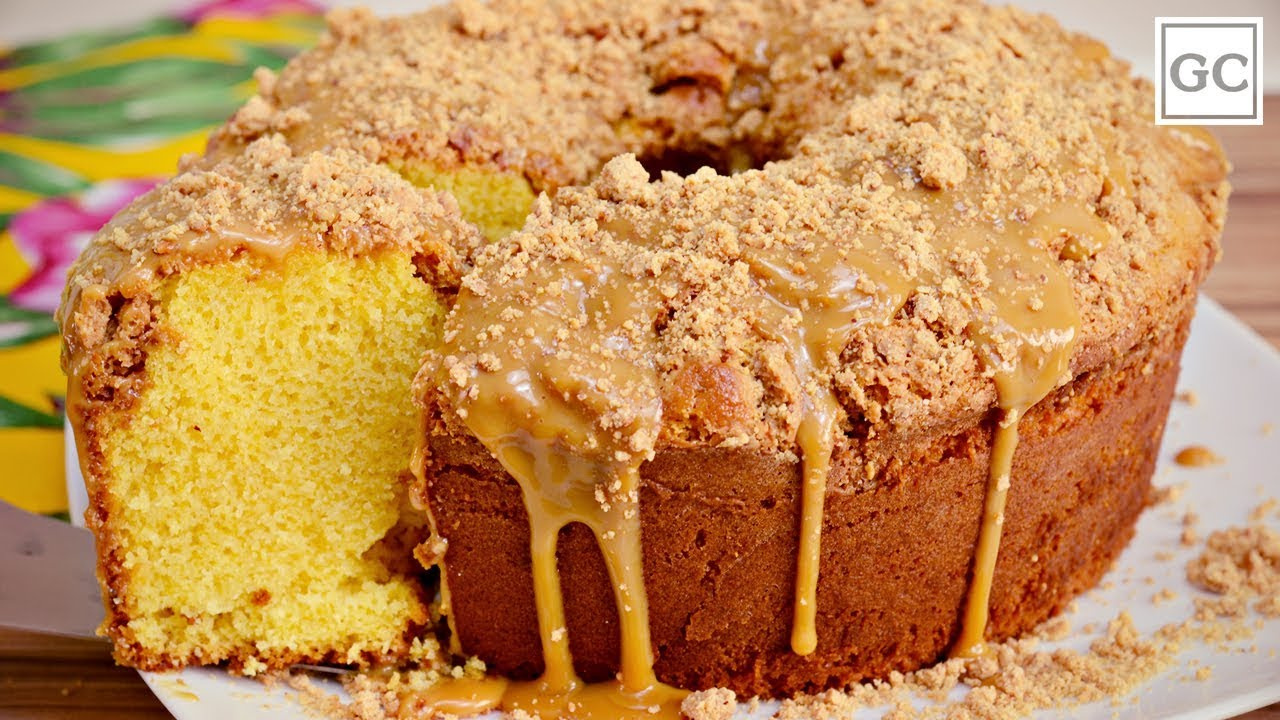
(720, 536)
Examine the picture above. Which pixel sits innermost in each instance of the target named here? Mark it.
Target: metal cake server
(47, 581)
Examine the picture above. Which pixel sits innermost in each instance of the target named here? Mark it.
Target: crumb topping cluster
(271, 195)
(548, 90)
(265, 201)
(883, 131)
(898, 140)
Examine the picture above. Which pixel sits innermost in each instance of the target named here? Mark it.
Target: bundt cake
(768, 345)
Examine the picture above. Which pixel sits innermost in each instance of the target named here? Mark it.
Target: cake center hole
(684, 162)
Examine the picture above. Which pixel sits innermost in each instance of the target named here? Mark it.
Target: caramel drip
(822, 294)
(571, 419)
(1197, 456)
(1026, 340)
(816, 438)
(814, 305)
(973, 625)
(573, 409)
(462, 697)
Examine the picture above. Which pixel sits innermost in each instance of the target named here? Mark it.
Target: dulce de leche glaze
(557, 350)
(806, 280)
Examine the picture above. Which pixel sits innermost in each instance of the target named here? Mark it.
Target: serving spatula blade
(47, 581)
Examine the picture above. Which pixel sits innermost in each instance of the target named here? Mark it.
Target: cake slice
(239, 345)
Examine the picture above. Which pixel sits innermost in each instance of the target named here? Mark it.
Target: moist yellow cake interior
(495, 202)
(261, 462)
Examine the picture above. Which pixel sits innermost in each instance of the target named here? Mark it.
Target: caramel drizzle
(813, 308)
(571, 420)
(1041, 328)
(840, 286)
(576, 411)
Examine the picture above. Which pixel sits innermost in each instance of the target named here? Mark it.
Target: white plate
(1236, 377)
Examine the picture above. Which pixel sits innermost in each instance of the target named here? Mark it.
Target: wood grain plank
(44, 677)
(1247, 279)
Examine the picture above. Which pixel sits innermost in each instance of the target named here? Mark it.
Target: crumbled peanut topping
(897, 134)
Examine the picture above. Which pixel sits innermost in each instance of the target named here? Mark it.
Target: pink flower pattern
(248, 8)
(51, 233)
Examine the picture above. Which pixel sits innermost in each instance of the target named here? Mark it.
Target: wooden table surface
(46, 677)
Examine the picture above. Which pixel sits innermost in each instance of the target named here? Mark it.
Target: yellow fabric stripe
(13, 199)
(13, 268)
(265, 32)
(97, 164)
(32, 373)
(33, 469)
(191, 47)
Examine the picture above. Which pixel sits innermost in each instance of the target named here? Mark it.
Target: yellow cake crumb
(496, 202)
(246, 516)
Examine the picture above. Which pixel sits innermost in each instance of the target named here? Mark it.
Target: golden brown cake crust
(719, 546)
(940, 160)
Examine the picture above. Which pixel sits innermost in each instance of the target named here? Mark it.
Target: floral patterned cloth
(87, 123)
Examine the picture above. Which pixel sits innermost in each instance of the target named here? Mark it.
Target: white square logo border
(1212, 48)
